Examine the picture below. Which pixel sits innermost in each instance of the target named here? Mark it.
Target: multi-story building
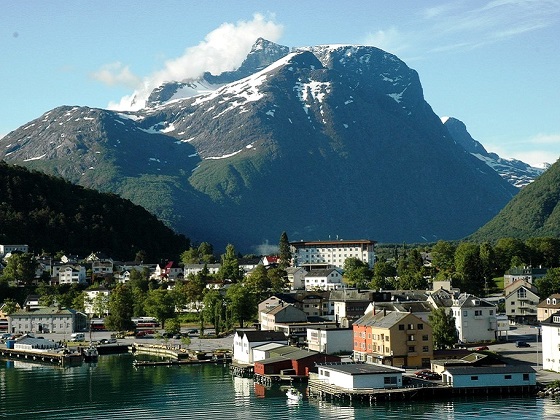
(96, 302)
(521, 304)
(7, 249)
(323, 279)
(322, 254)
(72, 274)
(528, 274)
(548, 306)
(46, 320)
(475, 319)
(393, 338)
(551, 343)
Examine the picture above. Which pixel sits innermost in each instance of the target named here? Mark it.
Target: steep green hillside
(534, 212)
(51, 214)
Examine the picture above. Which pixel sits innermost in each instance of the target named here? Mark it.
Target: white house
(281, 314)
(44, 320)
(28, 342)
(197, 268)
(72, 274)
(550, 330)
(323, 254)
(96, 301)
(355, 376)
(475, 319)
(245, 340)
(8, 249)
(330, 341)
(324, 279)
(521, 303)
(489, 376)
(296, 277)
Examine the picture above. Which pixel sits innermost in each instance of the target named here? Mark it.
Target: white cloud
(536, 150)
(390, 40)
(223, 49)
(117, 74)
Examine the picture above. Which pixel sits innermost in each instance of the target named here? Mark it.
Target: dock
(60, 358)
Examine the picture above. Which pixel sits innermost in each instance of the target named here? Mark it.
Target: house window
(465, 313)
(478, 312)
(507, 376)
(411, 337)
(491, 312)
(410, 326)
(425, 337)
(390, 380)
(420, 326)
(327, 373)
(474, 378)
(525, 376)
(426, 349)
(411, 349)
(401, 327)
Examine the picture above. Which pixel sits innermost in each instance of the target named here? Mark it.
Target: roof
(404, 306)
(381, 319)
(261, 336)
(50, 310)
(361, 368)
(332, 243)
(268, 346)
(466, 300)
(489, 370)
(544, 303)
(323, 272)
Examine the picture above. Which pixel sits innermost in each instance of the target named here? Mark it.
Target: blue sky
(495, 65)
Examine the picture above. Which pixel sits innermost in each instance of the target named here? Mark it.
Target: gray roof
(361, 368)
(321, 272)
(482, 370)
(262, 336)
(380, 320)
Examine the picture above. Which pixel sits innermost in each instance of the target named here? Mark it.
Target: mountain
(534, 212)
(51, 214)
(514, 171)
(326, 140)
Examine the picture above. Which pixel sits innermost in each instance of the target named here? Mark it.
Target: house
(323, 279)
(330, 340)
(521, 303)
(8, 249)
(489, 376)
(194, 269)
(550, 330)
(527, 274)
(548, 306)
(472, 359)
(270, 260)
(356, 376)
(96, 302)
(421, 309)
(297, 331)
(245, 340)
(296, 277)
(475, 319)
(281, 314)
(49, 319)
(169, 270)
(295, 363)
(273, 301)
(265, 351)
(72, 274)
(393, 338)
(326, 254)
(351, 304)
(102, 267)
(317, 303)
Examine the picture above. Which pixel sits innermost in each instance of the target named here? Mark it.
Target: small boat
(293, 394)
(90, 354)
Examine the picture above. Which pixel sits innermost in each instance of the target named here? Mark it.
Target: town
(305, 314)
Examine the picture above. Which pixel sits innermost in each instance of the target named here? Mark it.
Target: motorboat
(294, 394)
(90, 354)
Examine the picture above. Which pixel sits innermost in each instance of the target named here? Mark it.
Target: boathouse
(245, 340)
(354, 376)
(298, 362)
(489, 376)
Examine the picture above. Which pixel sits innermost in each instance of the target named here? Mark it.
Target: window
(420, 326)
(327, 373)
(478, 312)
(474, 378)
(410, 326)
(525, 376)
(390, 380)
(465, 313)
(491, 311)
(401, 327)
(426, 349)
(507, 376)
(411, 337)
(425, 337)
(411, 349)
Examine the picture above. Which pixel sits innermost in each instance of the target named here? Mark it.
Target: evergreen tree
(284, 251)
(230, 265)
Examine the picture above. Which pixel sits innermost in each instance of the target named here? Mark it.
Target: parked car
(482, 348)
(427, 374)
(522, 344)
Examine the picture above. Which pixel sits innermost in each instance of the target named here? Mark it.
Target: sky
(493, 64)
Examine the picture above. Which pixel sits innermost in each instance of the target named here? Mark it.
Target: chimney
(384, 311)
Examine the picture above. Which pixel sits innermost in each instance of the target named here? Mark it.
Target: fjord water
(114, 389)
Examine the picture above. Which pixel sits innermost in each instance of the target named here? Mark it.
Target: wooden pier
(60, 358)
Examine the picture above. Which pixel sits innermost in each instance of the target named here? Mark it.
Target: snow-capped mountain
(514, 171)
(318, 141)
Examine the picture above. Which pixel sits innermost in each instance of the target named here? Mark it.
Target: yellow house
(393, 338)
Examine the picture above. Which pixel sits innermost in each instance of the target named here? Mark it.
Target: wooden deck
(60, 358)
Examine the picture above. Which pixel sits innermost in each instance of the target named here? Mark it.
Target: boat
(293, 394)
(90, 354)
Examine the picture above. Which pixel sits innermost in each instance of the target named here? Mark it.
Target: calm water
(114, 389)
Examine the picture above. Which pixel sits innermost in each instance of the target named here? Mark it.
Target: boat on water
(90, 354)
(294, 394)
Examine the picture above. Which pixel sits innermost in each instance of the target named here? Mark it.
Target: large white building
(475, 319)
(551, 343)
(321, 254)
